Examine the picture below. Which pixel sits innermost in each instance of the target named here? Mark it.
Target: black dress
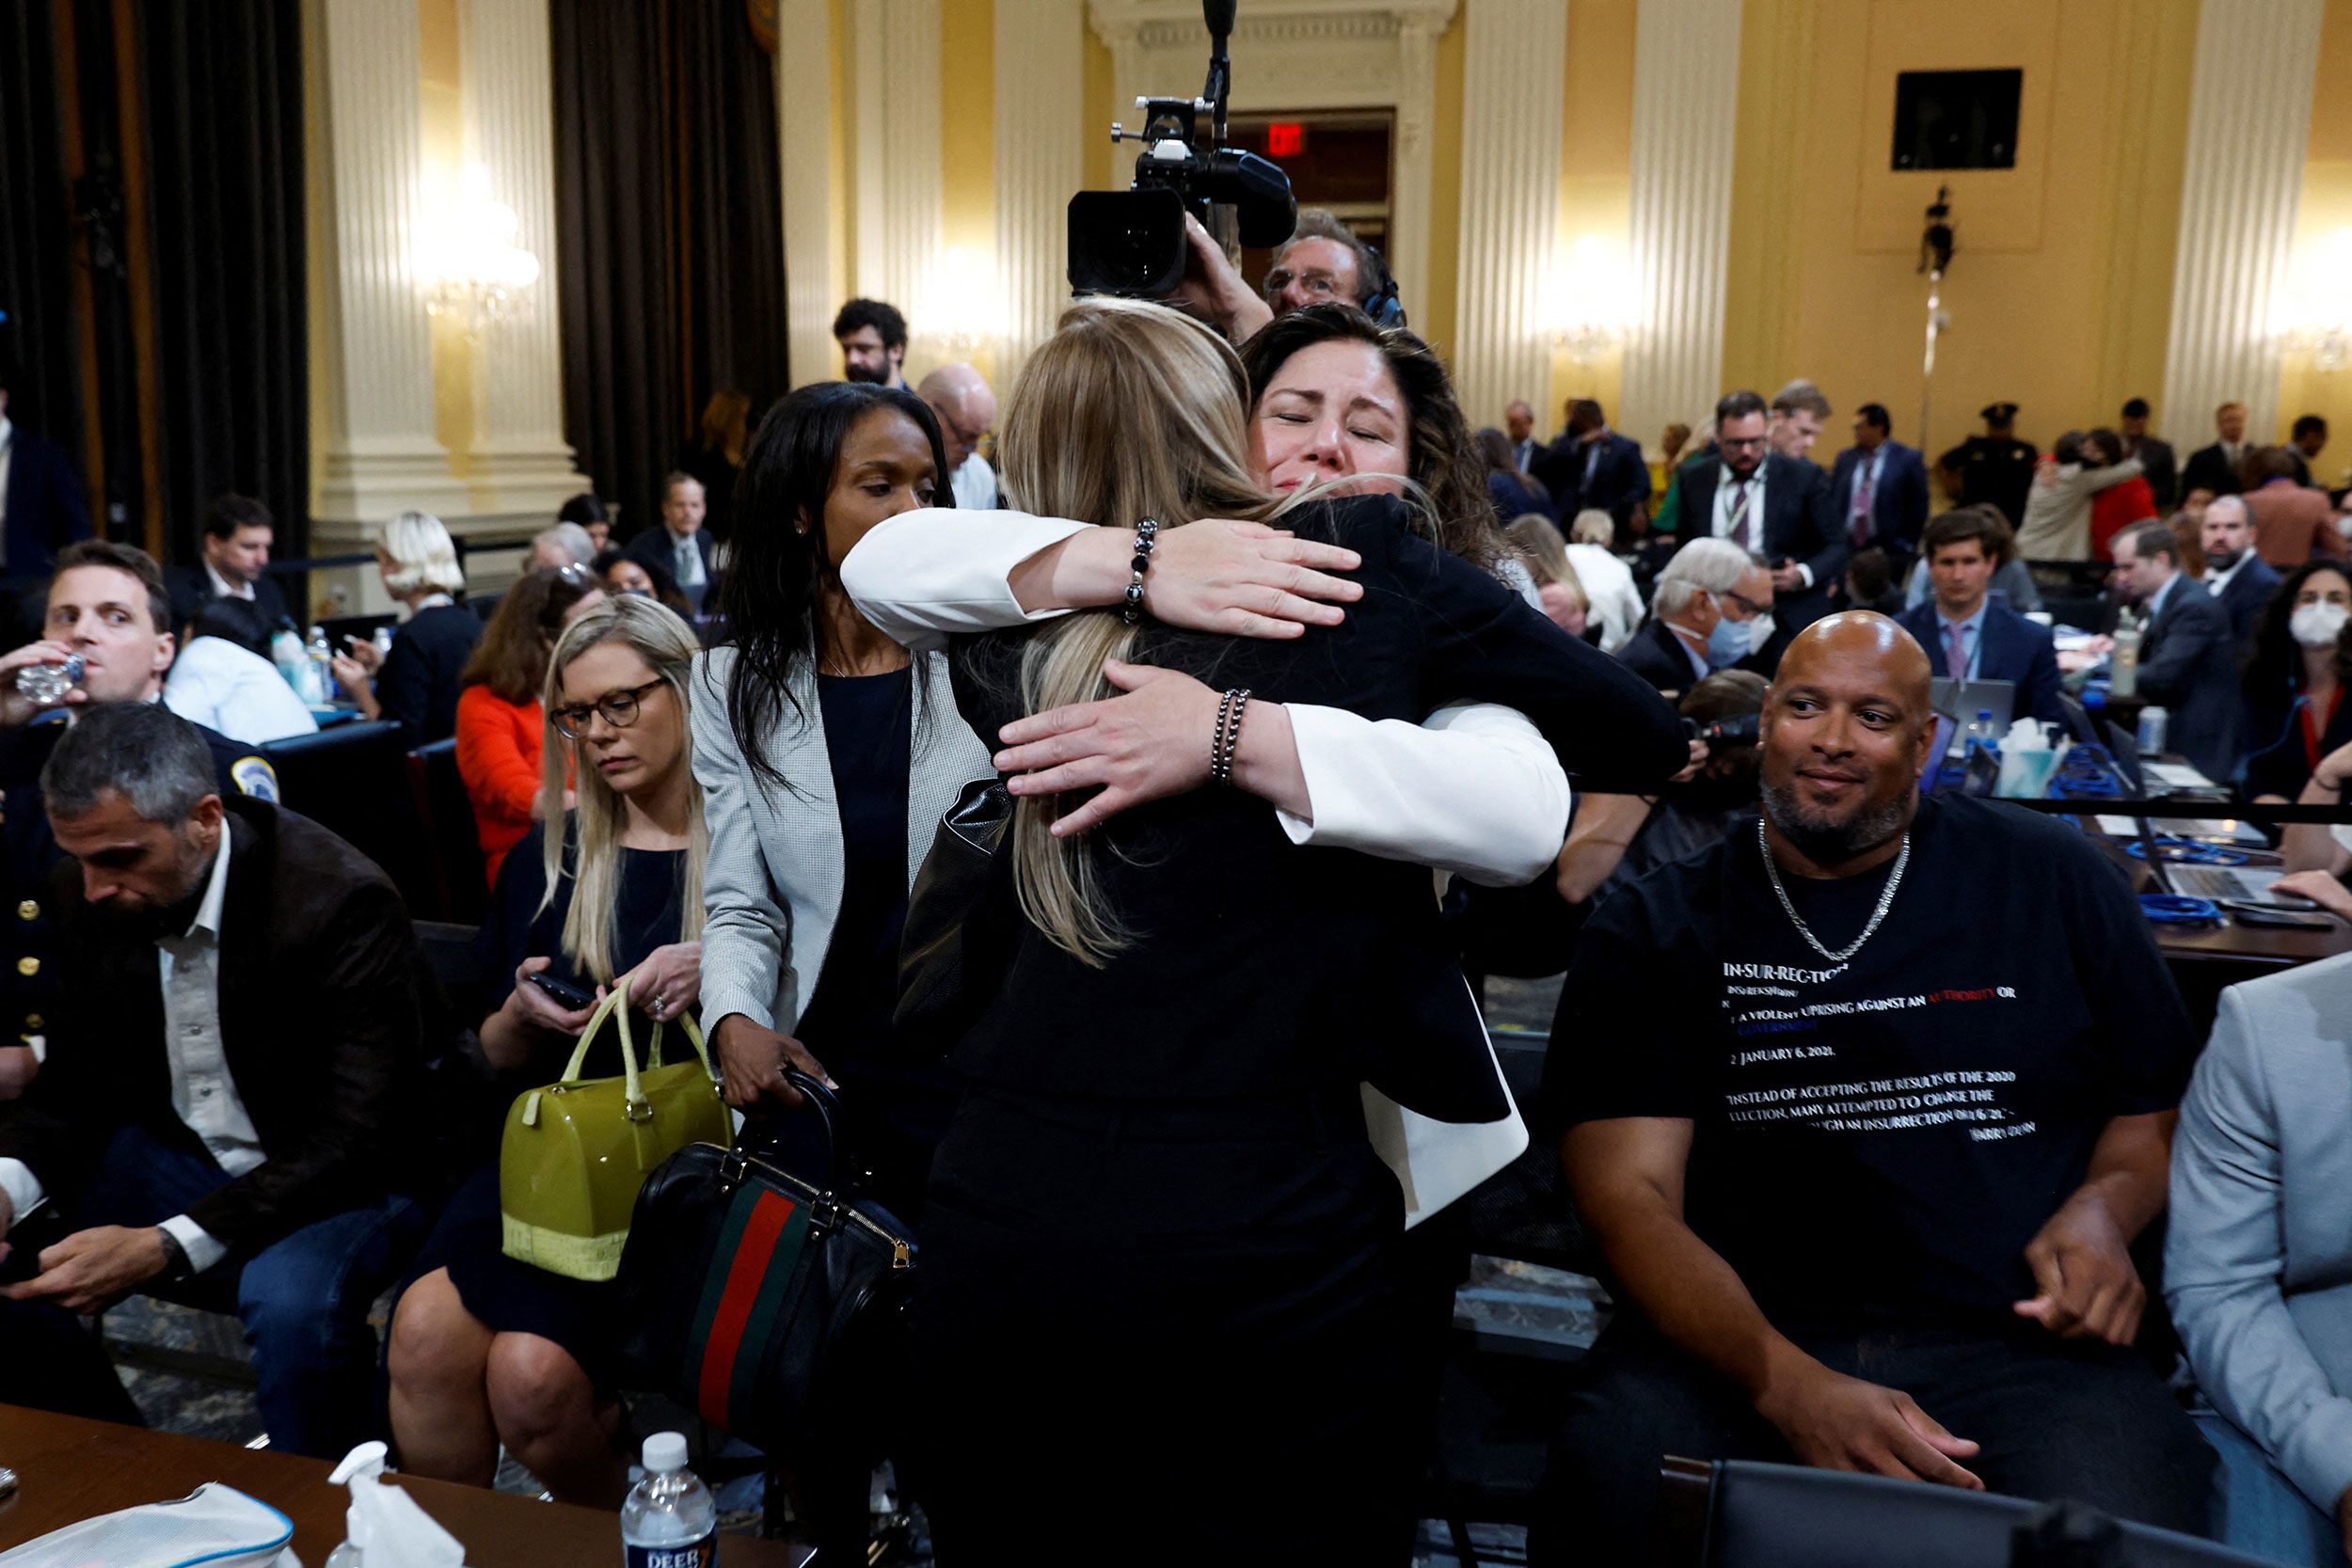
(1156, 1230)
(503, 1295)
(894, 1111)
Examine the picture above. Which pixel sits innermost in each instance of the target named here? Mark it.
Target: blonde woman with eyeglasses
(487, 1350)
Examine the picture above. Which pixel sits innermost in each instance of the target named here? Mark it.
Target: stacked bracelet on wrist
(1228, 737)
(1146, 531)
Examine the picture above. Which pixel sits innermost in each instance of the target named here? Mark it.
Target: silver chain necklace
(1902, 858)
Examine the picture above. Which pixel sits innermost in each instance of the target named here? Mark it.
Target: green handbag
(575, 1152)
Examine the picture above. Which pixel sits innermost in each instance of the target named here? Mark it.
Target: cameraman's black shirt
(1879, 1139)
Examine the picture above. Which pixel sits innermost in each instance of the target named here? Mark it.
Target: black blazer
(2160, 469)
(1260, 968)
(324, 1001)
(192, 588)
(1800, 525)
(45, 510)
(2209, 468)
(418, 684)
(2188, 665)
(1620, 478)
(2277, 761)
(1656, 654)
(1899, 501)
(652, 548)
(2012, 649)
(2246, 595)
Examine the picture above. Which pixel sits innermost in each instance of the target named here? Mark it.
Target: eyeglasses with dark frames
(618, 707)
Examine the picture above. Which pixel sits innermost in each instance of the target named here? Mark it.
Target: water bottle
(383, 642)
(47, 684)
(2123, 670)
(286, 652)
(320, 660)
(1981, 733)
(669, 1520)
(2154, 721)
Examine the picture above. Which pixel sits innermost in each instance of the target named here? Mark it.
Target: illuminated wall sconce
(964, 315)
(1593, 299)
(473, 270)
(2317, 316)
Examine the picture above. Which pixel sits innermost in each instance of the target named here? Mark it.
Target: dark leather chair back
(453, 849)
(1754, 1515)
(348, 780)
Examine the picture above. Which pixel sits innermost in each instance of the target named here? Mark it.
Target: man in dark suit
(2187, 662)
(1711, 609)
(1995, 468)
(1593, 467)
(2157, 465)
(1780, 507)
(238, 535)
(2214, 468)
(1519, 423)
(2308, 439)
(2239, 579)
(235, 1129)
(1970, 635)
(681, 545)
(1881, 488)
(41, 504)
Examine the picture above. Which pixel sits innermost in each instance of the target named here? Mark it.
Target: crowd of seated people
(1865, 1095)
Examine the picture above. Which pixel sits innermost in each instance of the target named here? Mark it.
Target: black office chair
(1736, 1514)
(350, 781)
(437, 794)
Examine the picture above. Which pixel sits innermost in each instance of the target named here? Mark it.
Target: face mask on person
(2316, 626)
(1759, 633)
(1728, 643)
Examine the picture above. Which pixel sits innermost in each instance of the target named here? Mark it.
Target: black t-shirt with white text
(1878, 1140)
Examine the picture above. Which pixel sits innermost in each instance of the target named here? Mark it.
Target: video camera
(1132, 242)
(1740, 731)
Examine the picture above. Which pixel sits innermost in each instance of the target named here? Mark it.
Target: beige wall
(2327, 208)
(2061, 290)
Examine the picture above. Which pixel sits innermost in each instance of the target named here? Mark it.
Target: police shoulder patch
(255, 776)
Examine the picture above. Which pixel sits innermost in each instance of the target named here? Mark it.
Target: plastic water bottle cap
(665, 1452)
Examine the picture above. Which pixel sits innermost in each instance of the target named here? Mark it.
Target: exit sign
(1285, 138)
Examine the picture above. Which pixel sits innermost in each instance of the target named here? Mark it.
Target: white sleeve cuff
(22, 1187)
(1473, 789)
(923, 576)
(1805, 572)
(193, 1240)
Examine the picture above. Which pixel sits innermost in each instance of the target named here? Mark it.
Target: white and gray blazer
(772, 886)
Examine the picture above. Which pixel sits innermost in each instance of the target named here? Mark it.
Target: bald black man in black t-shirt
(1865, 1107)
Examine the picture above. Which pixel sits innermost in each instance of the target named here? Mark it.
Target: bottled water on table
(47, 684)
(669, 1520)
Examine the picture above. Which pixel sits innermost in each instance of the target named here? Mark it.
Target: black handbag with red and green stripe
(775, 1308)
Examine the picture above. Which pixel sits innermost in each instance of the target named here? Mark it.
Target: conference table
(70, 1469)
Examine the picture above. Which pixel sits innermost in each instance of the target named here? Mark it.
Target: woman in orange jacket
(498, 720)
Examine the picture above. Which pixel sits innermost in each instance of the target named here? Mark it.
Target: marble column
(1417, 30)
(1514, 65)
(1042, 137)
(2249, 114)
(897, 162)
(371, 347)
(814, 288)
(1686, 101)
(520, 466)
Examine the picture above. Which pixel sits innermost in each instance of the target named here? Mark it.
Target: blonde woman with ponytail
(1156, 1227)
(487, 1350)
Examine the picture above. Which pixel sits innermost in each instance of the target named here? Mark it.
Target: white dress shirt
(1724, 488)
(974, 484)
(203, 1095)
(223, 687)
(1474, 790)
(224, 588)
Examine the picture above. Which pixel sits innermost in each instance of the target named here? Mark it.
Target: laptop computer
(1965, 699)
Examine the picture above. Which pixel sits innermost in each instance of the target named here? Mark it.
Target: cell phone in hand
(567, 994)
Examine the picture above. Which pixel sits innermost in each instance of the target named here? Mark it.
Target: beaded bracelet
(1227, 741)
(1147, 533)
